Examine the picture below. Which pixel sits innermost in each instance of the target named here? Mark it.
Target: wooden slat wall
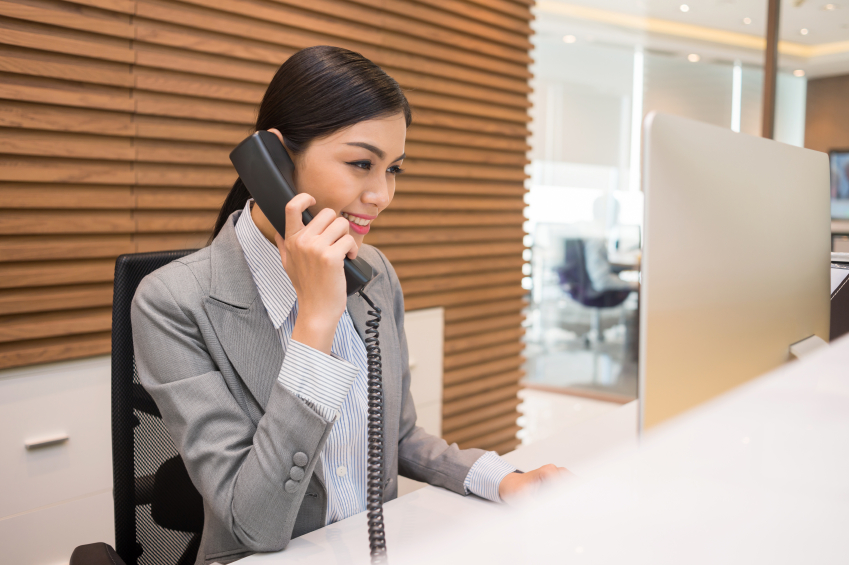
(116, 118)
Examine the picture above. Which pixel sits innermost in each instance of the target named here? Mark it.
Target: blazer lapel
(238, 315)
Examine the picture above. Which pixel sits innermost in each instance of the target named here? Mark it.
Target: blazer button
(300, 459)
(291, 486)
(297, 473)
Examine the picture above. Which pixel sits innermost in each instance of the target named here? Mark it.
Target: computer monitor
(735, 264)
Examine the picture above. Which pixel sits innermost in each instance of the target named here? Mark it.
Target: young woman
(254, 354)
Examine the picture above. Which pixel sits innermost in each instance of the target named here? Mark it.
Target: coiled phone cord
(374, 487)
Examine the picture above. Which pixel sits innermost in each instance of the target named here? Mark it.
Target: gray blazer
(208, 353)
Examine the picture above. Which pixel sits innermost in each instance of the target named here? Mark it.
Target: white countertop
(759, 475)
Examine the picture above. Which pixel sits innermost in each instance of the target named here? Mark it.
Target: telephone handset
(266, 169)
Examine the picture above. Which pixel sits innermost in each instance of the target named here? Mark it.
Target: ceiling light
(747, 21)
(685, 8)
(829, 7)
(798, 73)
(569, 39)
(693, 58)
(804, 31)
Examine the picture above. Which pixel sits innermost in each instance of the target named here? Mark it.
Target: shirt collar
(274, 286)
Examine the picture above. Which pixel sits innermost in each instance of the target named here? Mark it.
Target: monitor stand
(807, 346)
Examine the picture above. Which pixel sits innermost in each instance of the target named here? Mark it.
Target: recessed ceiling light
(569, 39)
(693, 58)
(798, 73)
(804, 31)
(685, 8)
(747, 21)
(829, 7)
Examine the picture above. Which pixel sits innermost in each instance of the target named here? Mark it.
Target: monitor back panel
(735, 263)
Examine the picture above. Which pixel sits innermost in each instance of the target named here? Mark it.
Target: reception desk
(758, 475)
(429, 514)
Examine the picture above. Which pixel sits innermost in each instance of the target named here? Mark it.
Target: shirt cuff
(486, 474)
(320, 380)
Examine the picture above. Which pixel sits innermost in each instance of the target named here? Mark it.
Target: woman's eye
(395, 170)
(366, 165)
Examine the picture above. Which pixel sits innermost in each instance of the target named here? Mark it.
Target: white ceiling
(824, 26)
(600, 24)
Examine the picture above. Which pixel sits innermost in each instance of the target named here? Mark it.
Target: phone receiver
(266, 169)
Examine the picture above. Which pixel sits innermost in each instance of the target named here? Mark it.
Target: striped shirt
(335, 385)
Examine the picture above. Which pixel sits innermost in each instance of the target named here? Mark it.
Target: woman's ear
(279, 135)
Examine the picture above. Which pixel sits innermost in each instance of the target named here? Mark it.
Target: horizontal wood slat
(475, 311)
(479, 399)
(488, 440)
(470, 417)
(51, 273)
(479, 370)
(117, 118)
(52, 324)
(54, 298)
(20, 353)
(441, 268)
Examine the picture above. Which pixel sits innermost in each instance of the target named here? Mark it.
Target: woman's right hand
(314, 257)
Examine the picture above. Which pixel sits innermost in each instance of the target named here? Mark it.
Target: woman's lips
(359, 223)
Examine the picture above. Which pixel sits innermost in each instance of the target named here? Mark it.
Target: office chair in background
(158, 511)
(576, 281)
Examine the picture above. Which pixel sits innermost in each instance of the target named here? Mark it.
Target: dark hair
(316, 92)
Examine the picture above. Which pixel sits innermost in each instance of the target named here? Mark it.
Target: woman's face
(352, 171)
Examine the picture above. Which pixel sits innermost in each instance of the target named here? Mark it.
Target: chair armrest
(95, 554)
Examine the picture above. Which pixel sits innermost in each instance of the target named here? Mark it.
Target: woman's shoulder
(385, 278)
(378, 261)
(186, 279)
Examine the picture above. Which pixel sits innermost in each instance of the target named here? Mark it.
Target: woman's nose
(380, 191)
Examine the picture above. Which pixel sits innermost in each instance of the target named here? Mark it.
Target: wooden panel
(440, 268)
(493, 439)
(51, 273)
(480, 370)
(481, 428)
(19, 353)
(117, 117)
(476, 311)
(480, 399)
(64, 196)
(469, 417)
(52, 324)
(48, 299)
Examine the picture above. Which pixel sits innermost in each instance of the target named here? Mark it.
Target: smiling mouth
(356, 219)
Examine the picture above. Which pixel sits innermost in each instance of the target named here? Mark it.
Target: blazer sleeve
(422, 456)
(245, 473)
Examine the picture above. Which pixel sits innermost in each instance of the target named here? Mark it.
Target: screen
(839, 184)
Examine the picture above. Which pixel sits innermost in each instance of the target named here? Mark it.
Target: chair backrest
(574, 272)
(140, 442)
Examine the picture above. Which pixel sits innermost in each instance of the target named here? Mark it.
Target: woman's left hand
(530, 482)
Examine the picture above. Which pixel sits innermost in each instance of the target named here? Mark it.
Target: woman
(254, 354)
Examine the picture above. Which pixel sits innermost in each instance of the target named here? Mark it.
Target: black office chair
(158, 511)
(576, 281)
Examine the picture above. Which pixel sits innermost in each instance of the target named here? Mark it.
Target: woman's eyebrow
(368, 146)
(377, 151)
